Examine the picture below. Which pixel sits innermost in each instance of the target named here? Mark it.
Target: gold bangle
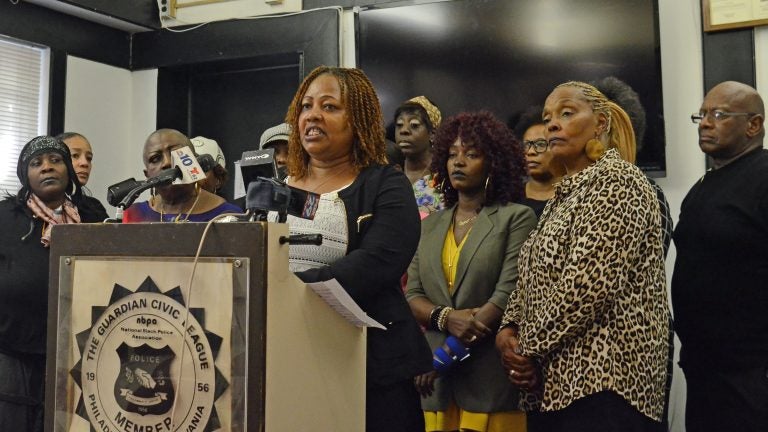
(443, 320)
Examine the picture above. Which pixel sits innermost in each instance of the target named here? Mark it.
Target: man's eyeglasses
(539, 145)
(717, 115)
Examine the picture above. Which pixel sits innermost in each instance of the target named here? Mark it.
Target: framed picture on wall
(733, 14)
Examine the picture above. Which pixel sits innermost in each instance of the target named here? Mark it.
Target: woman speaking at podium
(370, 227)
(50, 194)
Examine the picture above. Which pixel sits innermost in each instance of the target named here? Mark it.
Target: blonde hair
(364, 115)
(619, 131)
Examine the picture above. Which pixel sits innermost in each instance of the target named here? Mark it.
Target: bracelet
(443, 318)
(433, 317)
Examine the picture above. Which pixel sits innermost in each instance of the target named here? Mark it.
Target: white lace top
(330, 221)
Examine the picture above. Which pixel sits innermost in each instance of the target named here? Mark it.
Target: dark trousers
(605, 411)
(394, 408)
(726, 398)
(21, 392)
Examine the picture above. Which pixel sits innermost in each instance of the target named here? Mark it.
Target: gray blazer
(486, 272)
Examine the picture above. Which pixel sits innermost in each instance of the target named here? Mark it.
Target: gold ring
(512, 372)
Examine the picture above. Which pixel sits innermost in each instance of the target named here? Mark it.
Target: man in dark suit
(720, 282)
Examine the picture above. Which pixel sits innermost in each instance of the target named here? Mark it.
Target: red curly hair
(504, 156)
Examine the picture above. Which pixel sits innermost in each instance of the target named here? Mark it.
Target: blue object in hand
(452, 351)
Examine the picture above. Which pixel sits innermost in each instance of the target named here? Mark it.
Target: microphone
(187, 169)
(302, 239)
(258, 163)
(282, 173)
(118, 191)
(303, 203)
(266, 192)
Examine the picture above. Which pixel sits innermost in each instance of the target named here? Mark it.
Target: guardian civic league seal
(147, 364)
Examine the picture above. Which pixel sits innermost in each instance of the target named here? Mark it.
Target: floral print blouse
(428, 198)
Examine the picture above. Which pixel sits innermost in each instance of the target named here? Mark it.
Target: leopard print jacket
(591, 304)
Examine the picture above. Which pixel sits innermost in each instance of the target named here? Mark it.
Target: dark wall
(231, 80)
(232, 102)
(140, 12)
(506, 56)
(185, 58)
(57, 94)
(314, 39)
(729, 56)
(313, 34)
(67, 34)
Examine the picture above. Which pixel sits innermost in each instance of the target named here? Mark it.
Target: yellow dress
(455, 418)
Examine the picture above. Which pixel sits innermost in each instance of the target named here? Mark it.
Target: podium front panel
(121, 322)
(137, 348)
(132, 346)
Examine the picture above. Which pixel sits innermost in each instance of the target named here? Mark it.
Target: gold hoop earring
(594, 149)
(485, 191)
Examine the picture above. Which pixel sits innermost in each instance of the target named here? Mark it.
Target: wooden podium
(246, 346)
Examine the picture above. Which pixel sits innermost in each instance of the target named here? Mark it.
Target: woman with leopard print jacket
(585, 334)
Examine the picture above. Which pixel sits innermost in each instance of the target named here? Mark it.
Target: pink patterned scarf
(65, 214)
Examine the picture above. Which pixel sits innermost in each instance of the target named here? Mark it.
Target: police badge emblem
(144, 385)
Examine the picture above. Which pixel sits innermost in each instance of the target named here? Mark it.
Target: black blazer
(383, 228)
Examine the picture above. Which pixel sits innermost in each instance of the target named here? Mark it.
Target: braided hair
(364, 115)
(619, 131)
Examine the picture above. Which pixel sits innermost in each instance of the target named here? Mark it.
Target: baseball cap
(208, 146)
(275, 133)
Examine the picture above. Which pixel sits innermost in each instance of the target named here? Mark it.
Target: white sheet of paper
(340, 301)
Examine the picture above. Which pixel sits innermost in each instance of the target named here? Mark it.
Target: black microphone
(124, 193)
(303, 203)
(265, 191)
(267, 194)
(118, 191)
(282, 173)
(302, 239)
(258, 163)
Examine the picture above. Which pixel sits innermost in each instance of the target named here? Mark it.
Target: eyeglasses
(717, 115)
(539, 145)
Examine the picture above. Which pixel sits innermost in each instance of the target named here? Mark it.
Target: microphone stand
(127, 200)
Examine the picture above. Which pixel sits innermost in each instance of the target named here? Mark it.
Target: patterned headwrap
(40, 145)
(432, 111)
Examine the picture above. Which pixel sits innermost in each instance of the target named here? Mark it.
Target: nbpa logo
(144, 384)
(148, 364)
